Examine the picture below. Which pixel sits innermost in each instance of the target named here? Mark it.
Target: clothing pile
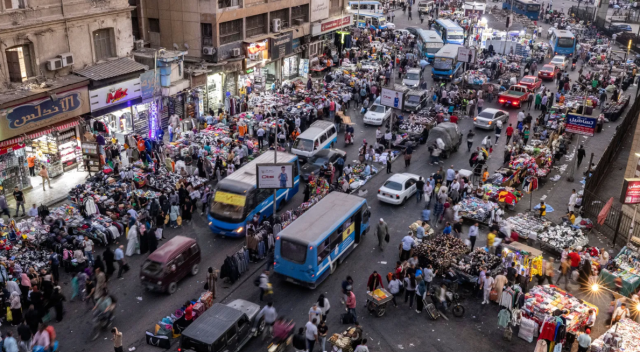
(624, 336)
(167, 180)
(471, 263)
(526, 225)
(542, 301)
(560, 236)
(235, 265)
(477, 210)
(440, 252)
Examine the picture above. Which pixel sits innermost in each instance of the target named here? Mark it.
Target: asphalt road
(138, 310)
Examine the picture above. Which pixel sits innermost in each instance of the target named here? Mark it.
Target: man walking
(470, 136)
(4, 207)
(118, 255)
(19, 197)
(419, 188)
(573, 199)
(88, 249)
(311, 334)
(581, 155)
(473, 235)
(382, 232)
(509, 133)
(270, 315)
(451, 174)
(584, 340)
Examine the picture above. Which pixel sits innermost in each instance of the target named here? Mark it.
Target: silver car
(412, 78)
(488, 118)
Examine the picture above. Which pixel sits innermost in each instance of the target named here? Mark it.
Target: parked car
(488, 118)
(376, 115)
(398, 188)
(531, 82)
(620, 27)
(223, 328)
(315, 162)
(560, 60)
(548, 72)
(170, 263)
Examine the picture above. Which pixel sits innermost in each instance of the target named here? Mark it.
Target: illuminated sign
(115, 94)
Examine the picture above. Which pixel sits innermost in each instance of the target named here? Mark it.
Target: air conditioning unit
(67, 59)
(54, 64)
(276, 23)
(208, 50)
(138, 44)
(298, 22)
(235, 52)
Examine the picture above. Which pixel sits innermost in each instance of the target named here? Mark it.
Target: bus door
(375, 23)
(358, 225)
(367, 22)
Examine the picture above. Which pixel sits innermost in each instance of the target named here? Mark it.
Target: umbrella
(549, 208)
(423, 63)
(602, 216)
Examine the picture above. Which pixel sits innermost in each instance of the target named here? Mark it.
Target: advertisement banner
(466, 55)
(303, 67)
(391, 98)
(44, 112)
(281, 45)
(115, 94)
(630, 191)
(331, 24)
(319, 10)
(581, 124)
(274, 176)
(150, 84)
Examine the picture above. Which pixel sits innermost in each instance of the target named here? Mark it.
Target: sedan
(488, 118)
(531, 82)
(377, 115)
(560, 61)
(620, 27)
(398, 188)
(314, 163)
(548, 72)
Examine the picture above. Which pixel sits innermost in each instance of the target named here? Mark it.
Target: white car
(391, 25)
(377, 115)
(488, 118)
(398, 188)
(560, 61)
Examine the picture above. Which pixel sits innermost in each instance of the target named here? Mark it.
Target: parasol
(549, 208)
(602, 216)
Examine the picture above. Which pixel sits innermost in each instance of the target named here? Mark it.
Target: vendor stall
(559, 237)
(469, 266)
(440, 252)
(478, 210)
(526, 225)
(624, 336)
(625, 266)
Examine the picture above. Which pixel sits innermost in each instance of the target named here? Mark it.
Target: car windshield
(557, 61)
(151, 268)
(527, 80)
(305, 145)
(318, 160)
(377, 108)
(228, 207)
(455, 35)
(486, 115)
(414, 99)
(393, 185)
(413, 76)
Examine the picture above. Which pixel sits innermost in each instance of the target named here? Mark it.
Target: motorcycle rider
(281, 329)
(104, 308)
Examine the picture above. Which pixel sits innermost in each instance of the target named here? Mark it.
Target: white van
(320, 135)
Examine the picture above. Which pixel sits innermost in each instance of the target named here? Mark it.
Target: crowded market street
(138, 310)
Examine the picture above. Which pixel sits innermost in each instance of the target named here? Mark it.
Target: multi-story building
(245, 44)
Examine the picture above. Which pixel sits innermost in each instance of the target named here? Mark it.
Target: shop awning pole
(275, 161)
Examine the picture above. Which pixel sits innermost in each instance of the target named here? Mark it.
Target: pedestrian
(581, 155)
(573, 200)
(498, 130)
(87, 244)
(55, 301)
(212, 279)
(584, 340)
(487, 286)
(325, 307)
(118, 255)
(4, 207)
(323, 329)
(410, 289)
(618, 314)
(45, 177)
(263, 283)
(394, 287)
(117, 340)
(383, 234)
(270, 315)
(9, 343)
(362, 347)
(351, 305)
(19, 197)
(407, 246)
(509, 133)
(375, 281)
(529, 101)
(470, 136)
(473, 234)
(419, 188)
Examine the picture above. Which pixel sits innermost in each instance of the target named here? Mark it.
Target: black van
(222, 328)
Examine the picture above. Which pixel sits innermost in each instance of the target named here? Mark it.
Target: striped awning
(66, 125)
(30, 135)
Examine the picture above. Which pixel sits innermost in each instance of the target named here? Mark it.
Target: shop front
(41, 132)
(257, 72)
(215, 91)
(325, 33)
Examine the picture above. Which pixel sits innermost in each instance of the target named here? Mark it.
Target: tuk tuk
(448, 133)
(416, 99)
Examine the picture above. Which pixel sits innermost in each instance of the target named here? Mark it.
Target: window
(230, 31)
(103, 43)
(257, 25)
(179, 260)
(335, 4)
(15, 4)
(194, 249)
(227, 3)
(300, 12)
(294, 252)
(242, 322)
(409, 183)
(219, 345)
(154, 25)
(206, 29)
(332, 131)
(19, 63)
(262, 195)
(231, 333)
(324, 250)
(283, 15)
(323, 137)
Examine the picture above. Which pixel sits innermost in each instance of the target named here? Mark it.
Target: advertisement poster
(304, 67)
(391, 98)
(319, 10)
(630, 191)
(274, 176)
(581, 124)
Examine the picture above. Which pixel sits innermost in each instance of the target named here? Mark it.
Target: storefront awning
(30, 135)
(67, 125)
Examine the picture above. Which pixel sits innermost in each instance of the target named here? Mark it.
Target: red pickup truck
(515, 96)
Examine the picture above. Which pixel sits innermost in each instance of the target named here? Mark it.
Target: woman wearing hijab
(200, 166)
(152, 241)
(132, 241)
(109, 258)
(143, 239)
(56, 302)
(205, 200)
(16, 308)
(187, 209)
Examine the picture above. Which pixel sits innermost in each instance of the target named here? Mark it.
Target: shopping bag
(508, 333)
(179, 220)
(166, 219)
(9, 315)
(493, 296)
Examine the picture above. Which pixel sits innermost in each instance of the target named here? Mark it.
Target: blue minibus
(562, 42)
(310, 248)
(429, 43)
(237, 199)
(370, 20)
(449, 31)
(445, 63)
(529, 8)
(365, 7)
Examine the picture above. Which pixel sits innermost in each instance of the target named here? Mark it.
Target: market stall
(528, 259)
(477, 210)
(526, 225)
(469, 265)
(558, 237)
(625, 266)
(624, 336)
(440, 252)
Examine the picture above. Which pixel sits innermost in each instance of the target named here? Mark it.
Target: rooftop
(111, 69)
(31, 90)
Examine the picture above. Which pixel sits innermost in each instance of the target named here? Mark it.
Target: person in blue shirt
(426, 213)
(367, 170)
(283, 178)
(447, 229)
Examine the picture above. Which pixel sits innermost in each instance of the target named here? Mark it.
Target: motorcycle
(279, 344)
(454, 304)
(573, 66)
(101, 321)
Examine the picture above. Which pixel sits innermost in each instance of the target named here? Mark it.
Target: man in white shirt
(473, 234)
(132, 213)
(270, 315)
(573, 200)
(311, 334)
(315, 313)
(33, 212)
(521, 116)
(362, 347)
(619, 314)
(407, 245)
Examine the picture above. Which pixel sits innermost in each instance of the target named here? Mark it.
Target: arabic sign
(274, 176)
(391, 98)
(44, 112)
(581, 124)
(115, 94)
(630, 191)
(331, 24)
(281, 45)
(148, 86)
(319, 10)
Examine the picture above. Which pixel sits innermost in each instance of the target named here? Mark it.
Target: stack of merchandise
(470, 264)
(477, 209)
(527, 225)
(560, 236)
(440, 252)
(624, 336)
(500, 194)
(541, 302)
(358, 179)
(167, 180)
(476, 77)
(342, 341)
(411, 128)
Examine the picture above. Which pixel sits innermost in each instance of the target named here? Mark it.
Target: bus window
(565, 42)
(375, 21)
(336, 238)
(262, 195)
(354, 6)
(228, 206)
(365, 214)
(323, 137)
(324, 249)
(294, 252)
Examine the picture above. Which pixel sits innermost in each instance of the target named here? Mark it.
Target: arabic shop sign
(581, 124)
(115, 94)
(281, 45)
(630, 191)
(44, 112)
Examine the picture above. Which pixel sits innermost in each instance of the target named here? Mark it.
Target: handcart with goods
(377, 301)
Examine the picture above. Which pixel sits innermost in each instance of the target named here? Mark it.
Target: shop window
(15, 4)
(283, 15)
(227, 3)
(104, 44)
(300, 12)
(206, 29)
(19, 63)
(154, 25)
(257, 25)
(230, 31)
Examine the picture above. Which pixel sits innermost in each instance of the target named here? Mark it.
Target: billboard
(274, 176)
(391, 98)
(319, 10)
(466, 55)
(630, 191)
(581, 124)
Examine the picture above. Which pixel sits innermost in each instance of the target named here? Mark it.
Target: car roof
(329, 151)
(413, 70)
(492, 110)
(401, 177)
(212, 324)
(167, 251)
(559, 57)
(549, 66)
